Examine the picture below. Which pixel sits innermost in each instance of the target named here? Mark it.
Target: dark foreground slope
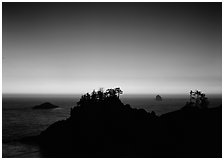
(109, 128)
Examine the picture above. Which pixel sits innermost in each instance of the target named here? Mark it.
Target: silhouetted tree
(204, 101)
(87, 96)
(93, 96)
(118, 91)
(100, 94)
(81, 101)
(111, 92)
(191, 95)
(198, 99)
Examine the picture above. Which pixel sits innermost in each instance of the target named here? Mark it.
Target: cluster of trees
(198, 99)
(100, 95)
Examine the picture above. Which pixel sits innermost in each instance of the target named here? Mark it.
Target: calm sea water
(20, 120)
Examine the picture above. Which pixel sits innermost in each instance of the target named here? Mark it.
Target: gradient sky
(140, 47)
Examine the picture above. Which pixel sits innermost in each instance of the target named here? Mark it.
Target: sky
(143, 48)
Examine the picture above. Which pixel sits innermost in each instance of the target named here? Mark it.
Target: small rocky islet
(45, 105)
(158, 98)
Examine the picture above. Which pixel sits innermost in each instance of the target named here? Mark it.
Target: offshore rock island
(158, 98)
(45, 105)
(102, 126)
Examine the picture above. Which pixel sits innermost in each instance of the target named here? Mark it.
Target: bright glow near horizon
(141, 48)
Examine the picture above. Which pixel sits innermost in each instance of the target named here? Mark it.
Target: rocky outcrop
(108, 128)
(46, 105)
(158, 98)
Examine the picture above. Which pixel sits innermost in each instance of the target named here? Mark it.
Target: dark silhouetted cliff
(102, 126)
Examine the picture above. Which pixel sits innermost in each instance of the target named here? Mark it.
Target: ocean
(20, 120)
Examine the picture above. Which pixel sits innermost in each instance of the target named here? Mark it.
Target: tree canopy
(100, 95)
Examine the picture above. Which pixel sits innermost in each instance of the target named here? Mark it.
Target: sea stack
(158, 98)
(46, 105)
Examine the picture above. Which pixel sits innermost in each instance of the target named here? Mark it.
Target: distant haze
(143, 48)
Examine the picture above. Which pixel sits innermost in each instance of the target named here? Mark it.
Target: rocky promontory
(102, 126)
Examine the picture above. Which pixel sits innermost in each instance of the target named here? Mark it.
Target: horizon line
(90, 92)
